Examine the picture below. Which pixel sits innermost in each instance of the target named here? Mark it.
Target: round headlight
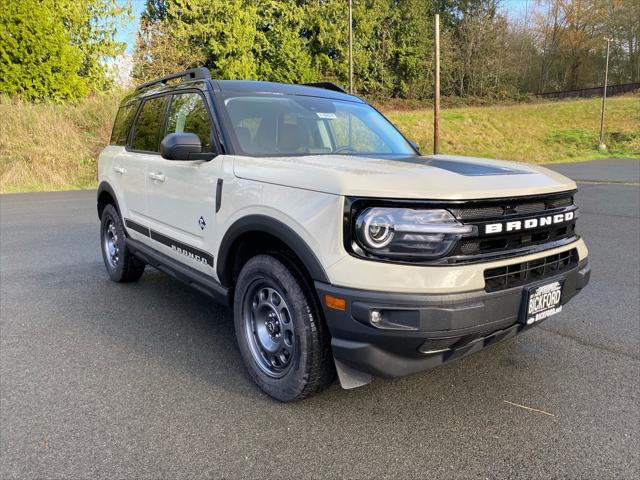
(378, 231)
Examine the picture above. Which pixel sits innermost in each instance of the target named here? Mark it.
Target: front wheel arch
(260, 225)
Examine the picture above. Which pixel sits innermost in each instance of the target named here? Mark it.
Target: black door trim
(219, 194)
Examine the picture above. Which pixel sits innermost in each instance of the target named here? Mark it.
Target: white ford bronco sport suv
(338, 246)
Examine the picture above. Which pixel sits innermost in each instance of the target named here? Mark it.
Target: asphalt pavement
(101, 380)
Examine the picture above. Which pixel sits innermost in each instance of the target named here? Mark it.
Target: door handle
(157, 176)
(120, 170)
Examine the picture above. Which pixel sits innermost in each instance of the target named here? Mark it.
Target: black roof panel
(252, 86)
(240, 86)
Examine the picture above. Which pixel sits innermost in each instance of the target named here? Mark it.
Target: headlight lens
(405, 232)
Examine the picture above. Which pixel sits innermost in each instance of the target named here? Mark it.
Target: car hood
(438, 177)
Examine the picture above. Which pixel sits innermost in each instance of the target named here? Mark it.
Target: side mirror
(181, 146)
(415, 145)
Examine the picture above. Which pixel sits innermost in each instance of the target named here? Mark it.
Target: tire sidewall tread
(129, 268)
(313, 369)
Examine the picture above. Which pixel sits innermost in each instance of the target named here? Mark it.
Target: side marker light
(335, 302)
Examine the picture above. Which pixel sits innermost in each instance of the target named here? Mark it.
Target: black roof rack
(326, 86)
(200, 73)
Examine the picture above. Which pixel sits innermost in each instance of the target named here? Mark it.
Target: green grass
(537, 132)
(54, 147)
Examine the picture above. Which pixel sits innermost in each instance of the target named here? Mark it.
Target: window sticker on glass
(327, 115)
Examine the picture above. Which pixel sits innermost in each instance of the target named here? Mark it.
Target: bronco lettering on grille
(528, 224)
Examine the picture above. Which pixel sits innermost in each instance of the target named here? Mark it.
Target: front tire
(282, 338)
(121, 265)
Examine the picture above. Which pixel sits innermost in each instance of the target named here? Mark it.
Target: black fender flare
(275, 228)
(105, 187)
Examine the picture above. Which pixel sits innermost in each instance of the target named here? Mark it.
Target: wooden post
(436, 94)
(350, 46)
(601, 145)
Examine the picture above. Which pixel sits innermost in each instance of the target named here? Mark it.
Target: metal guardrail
(592, 92)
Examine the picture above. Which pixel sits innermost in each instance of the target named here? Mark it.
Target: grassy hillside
(54, 147)
(538, 132)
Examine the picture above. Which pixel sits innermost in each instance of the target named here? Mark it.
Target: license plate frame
(552, 305)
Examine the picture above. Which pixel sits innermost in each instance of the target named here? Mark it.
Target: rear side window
(188, 114)
(148, 125)
(122, 124)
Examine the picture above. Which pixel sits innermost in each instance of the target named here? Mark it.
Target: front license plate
(541, 302)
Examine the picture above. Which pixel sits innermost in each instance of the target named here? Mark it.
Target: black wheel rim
(110, 243)
(268, 327)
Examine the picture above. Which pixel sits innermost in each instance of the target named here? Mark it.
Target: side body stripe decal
(137, 227)
(188, 251)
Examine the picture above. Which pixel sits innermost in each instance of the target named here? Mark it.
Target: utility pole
(350, 46)
(601, 145)
(436, 93)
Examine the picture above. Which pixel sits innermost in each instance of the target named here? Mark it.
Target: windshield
(274, 125)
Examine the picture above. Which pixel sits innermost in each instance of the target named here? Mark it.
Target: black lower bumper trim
(423, 331)
(384, 364)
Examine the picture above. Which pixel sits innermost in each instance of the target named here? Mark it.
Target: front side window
(147, 129)
(270, 125)
(122, 124)
(189, 114)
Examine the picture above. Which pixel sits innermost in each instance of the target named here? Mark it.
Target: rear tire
(121, 265)
(282, 338)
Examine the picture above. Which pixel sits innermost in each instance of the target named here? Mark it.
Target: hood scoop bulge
(473, 169)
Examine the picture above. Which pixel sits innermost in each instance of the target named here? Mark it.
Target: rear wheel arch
(261, 234)
(106, 196)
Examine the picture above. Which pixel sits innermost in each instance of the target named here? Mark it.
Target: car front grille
(483, 247)
(513, 241)
(503, 208)
(518, 274)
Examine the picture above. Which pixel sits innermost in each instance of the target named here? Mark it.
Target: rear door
(181, 194)
(125, 171)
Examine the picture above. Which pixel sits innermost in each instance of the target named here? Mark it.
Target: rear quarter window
(122, 124)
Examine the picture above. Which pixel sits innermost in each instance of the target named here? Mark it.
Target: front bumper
(423, 331)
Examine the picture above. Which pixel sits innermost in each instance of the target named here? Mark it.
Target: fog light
(375, 317)
(386, 318)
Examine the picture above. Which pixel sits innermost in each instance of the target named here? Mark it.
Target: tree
(57, 49)
(281, 51)
(37, 61)
(485, 52)
(235, 39)
(623, 26)
(325, 30)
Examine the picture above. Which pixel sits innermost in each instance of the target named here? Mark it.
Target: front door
(131, 164)
(181, 194)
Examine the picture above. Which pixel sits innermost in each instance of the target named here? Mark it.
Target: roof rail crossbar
(326, 86)
(200, 73)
